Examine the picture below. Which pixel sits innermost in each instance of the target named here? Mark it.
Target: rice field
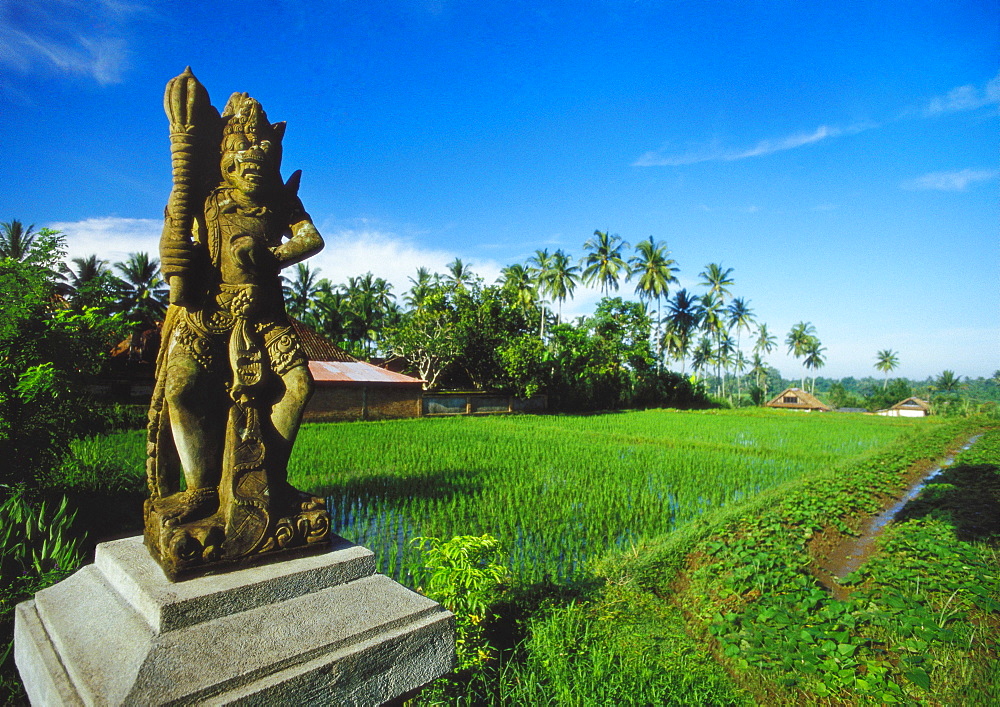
(556, 490)
(559, 490)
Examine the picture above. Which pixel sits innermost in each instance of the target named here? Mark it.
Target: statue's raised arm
(232, 379)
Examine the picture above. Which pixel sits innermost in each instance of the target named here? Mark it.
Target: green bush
(466, 577)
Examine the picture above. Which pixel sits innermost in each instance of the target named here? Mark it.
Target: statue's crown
(244, 114)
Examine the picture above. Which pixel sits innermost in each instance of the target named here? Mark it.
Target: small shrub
(466, 577)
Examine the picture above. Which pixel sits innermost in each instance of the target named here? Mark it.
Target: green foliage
(36, 539)
(38, 548)
(46, 353)
(465, 575)
(897, 390)
(752, 589)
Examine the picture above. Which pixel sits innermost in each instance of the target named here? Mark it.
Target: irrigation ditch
(838, 555)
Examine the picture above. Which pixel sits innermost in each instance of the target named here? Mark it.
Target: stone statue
(231, 376)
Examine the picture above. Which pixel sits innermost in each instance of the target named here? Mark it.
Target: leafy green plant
(37, 549)
(466, 577)
(36, 539)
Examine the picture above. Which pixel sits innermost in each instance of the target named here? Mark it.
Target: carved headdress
(244, 116)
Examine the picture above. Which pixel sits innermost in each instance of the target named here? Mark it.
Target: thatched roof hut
(796, 399)
(911, 407)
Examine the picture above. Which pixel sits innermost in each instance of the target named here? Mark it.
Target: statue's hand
(180, 258)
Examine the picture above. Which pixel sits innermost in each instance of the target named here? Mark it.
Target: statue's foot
(301, 501)
(189, 505)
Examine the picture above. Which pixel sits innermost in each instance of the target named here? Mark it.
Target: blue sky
(843, 159)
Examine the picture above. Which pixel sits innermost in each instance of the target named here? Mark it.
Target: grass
(657, 556)
(919, 628)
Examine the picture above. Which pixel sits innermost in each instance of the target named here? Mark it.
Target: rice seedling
(559, 490)
(555, 490)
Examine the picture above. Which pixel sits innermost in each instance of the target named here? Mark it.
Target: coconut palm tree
(540, 267)
(798, 341)
(420, 287)
(948, 382)
(370, 305)
(682, 320)
(16, 240)
(460, 274)
(764, 344)
(814, 359)
(711, 316)
(886, 361)
(517, 279)
(329, 313)
(145, 294)
(758, 369)
(302, 290)
(604, 262)
(563, 279)
(740, 317)
(717, 280)
(703, 356)
(654, 269)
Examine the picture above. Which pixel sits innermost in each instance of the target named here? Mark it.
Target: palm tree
(764, 344)
(710, 315)
(655, 270)
(758, 369)
(703, 355)
(16, 240)
(460, 274)
(740, 318)
(604, 261)
(302, 290)
(329, 313)
(89, 283)
(814, 358)
(563, 279)
(421, 286)
(798, 340)
(370, 304)
(145, 295)
(948, 382)
(682, 320)
(540, 267)
(87, 270)
(517, 278)
(717, 280)
(886, 361)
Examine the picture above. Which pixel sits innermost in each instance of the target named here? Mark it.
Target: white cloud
(715, 152)
(348, 252)
(968, 97)
(950, 181)
(67, 36)
(353, 252)
(110, 238)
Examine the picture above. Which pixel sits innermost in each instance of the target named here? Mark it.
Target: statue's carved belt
(236, 328)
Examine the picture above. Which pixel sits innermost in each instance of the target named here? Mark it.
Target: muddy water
(852, 553)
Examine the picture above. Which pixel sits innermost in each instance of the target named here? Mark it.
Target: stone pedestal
(323, 629)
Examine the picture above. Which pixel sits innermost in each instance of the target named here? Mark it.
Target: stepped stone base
(323, 629)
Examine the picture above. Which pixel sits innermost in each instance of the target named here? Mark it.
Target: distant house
(350, 389)
(796, 399)
(911, 407)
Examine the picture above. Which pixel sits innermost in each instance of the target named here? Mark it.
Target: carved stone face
(247, 161)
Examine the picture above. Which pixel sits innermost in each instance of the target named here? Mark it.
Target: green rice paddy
(556, 490)
(559, 490)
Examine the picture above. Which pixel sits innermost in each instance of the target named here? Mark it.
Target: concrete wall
(479, 403)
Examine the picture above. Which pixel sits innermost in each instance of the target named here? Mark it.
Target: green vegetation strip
(920, 627)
